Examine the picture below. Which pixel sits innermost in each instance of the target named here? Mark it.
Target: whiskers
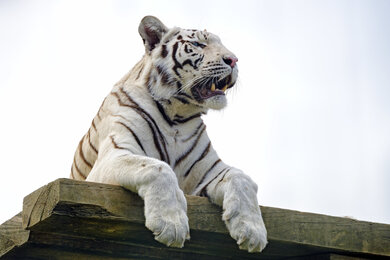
(197, 80)
(233, 90)
(200, 81)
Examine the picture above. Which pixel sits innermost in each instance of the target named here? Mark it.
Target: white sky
(309, 120)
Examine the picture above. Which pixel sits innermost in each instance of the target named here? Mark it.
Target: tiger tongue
(210, 92)
(204, 92)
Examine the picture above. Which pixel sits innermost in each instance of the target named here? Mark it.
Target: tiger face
(189, 65)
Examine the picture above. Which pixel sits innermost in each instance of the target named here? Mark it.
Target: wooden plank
(12, 234)
(342, 257)
(329, 257)
(91, 220)
(333, 233)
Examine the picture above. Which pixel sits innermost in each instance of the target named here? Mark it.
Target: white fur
(122, 161)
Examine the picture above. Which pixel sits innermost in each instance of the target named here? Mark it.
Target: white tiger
(148, 136)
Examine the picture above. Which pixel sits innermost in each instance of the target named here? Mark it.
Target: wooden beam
(70, 219)
(12, 234)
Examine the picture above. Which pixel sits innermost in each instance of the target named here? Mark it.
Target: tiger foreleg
(236, 193)
(156, 184)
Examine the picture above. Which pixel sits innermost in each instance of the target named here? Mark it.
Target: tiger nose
(231, 61)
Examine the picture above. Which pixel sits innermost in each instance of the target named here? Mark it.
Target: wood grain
(67, 219)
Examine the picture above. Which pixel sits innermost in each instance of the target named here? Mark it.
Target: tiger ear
(151, 30)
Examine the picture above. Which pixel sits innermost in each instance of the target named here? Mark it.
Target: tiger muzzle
(211, 87)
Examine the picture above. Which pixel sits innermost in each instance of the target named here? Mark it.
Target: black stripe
(134, 135)
(207, 172)
(227, 170)
(152, 125)
(186, 49)
(164, 115)
(164, 75)
(203, 191)
(155, 139)
(189, 62)
(177, 64)
(117, 146)
(182, 100)
(198, 60)
(184, 95)
(93, 125)
(98, 115)
(183, 156)
(81, 153)
(90, 142)
(120, 101)
(164, 51)
(143, 111)
(77, 169)
(184, 120)
(205, 152)
(196, 132)
(136, 106)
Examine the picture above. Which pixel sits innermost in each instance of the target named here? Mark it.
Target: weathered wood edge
(332, 234)
(283, 225)
(39, 204)
(12, 234)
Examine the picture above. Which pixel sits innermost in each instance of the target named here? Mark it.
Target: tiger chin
(148, 136)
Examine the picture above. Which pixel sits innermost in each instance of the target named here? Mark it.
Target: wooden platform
(69, 219)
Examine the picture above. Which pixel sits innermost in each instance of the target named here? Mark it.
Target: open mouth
(211, 88)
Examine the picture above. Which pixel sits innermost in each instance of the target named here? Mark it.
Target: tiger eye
(197, 44)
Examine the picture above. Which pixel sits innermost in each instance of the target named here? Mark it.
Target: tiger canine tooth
(213, 87)
(224, 88)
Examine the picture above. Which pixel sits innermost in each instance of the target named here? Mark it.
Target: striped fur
(148, 136)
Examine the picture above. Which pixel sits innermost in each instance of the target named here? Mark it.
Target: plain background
(309, 120)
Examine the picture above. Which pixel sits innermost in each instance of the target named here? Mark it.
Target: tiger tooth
(224, 88)
(213, 87)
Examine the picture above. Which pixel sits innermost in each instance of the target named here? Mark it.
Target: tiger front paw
(168, 221)
(248, 230)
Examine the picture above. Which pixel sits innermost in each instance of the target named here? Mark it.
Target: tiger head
(191, 66)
